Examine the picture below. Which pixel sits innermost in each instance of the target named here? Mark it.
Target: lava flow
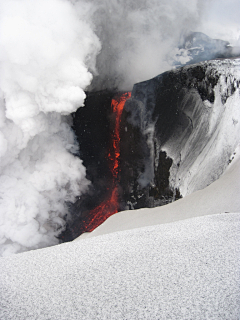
(110, 206)
(114, 152)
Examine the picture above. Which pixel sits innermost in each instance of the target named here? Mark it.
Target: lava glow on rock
(110, 206)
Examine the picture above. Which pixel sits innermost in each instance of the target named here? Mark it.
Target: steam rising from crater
(141, 39)
(46, 47)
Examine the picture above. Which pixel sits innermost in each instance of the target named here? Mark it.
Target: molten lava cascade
(114, 152)
(110, 206)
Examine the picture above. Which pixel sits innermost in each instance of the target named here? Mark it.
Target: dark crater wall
(169, 113)
(92, 125)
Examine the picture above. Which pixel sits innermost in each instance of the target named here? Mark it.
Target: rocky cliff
(179, 132)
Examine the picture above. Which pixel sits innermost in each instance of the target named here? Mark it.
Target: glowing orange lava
(114, 153)
(99, 214)
(110, 206)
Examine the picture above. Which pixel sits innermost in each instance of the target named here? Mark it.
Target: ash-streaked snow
(204, 157)
(183, 270)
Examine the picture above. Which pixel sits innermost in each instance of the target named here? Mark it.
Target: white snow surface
(187, 269)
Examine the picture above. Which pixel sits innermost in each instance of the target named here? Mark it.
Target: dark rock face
(170, 129)
(92, 128)
(92, 125)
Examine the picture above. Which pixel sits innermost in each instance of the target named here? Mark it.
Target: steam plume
(45, 49)
(141, 39)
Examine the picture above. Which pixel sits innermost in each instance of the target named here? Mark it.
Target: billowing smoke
(46, 47)
(50, 52)
(141, 39)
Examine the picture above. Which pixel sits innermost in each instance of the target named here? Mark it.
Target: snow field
(182, 270)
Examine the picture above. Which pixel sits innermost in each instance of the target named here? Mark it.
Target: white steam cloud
(46, 47)
(141, 39)
(49, 50)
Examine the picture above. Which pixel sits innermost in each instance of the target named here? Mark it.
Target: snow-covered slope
(183, 270)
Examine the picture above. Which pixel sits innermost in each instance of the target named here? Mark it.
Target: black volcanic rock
(175, 122)
(92, 125)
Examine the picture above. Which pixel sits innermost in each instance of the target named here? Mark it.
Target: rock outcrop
(179, 132)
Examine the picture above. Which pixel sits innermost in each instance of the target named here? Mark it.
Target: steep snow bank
(182, 270)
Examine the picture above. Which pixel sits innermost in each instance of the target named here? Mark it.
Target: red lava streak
(110, 206)
(114, 153)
